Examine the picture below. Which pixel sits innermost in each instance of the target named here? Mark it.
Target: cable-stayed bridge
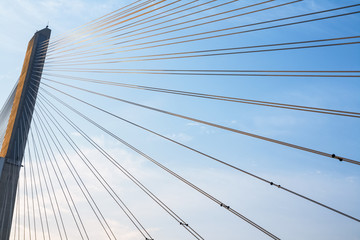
(178, 120)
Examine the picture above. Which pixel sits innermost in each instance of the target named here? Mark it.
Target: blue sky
(323, 179)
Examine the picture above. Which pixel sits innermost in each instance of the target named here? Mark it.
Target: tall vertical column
(13, 137)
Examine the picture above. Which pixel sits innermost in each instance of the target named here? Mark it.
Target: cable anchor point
(225, 206)
(339, 158)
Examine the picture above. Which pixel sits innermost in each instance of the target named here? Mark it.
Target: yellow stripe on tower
(15, 106)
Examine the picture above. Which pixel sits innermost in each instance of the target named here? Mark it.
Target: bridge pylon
(15, 120)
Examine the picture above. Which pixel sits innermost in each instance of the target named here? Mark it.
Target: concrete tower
(15, 120)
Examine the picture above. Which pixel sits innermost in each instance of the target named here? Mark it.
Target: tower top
(45, 31)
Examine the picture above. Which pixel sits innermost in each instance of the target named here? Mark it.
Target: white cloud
(193, 124)
(183, 137)
(270, 207)
(76, 134)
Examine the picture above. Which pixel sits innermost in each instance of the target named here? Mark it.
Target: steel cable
(177, 176)
(213, 97)
(215, 125)
(174, 30)
(215, 159)
(207, 53)
(231, 28)
(98, 175)
(209, 72)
